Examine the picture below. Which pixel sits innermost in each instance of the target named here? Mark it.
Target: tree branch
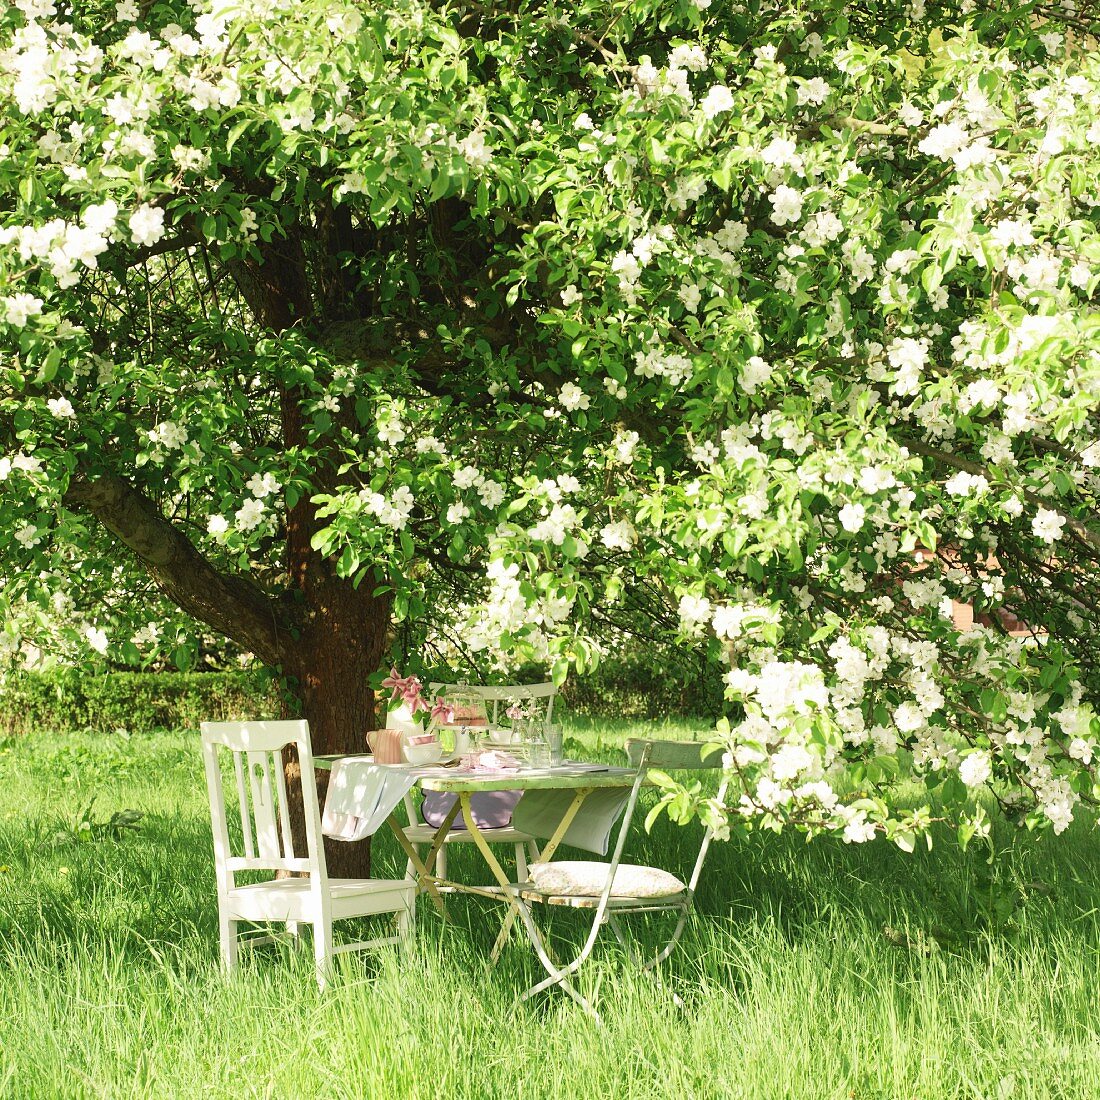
(1085, 533)
(232, 605)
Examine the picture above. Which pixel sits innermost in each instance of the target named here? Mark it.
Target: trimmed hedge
(639, 686)
(65, 700)
(135, 701)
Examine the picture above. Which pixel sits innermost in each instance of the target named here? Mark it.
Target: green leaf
(48, 370)
(235, 133)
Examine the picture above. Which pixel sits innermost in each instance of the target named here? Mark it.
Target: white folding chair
(419, 832)
(615, 889)
(256, 749)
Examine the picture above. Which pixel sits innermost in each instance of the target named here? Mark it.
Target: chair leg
(227, 930)
(406, 917)
(441, 862)
(649, 966)
(410, 870)
(322, 951)
(521, 863)
(558, 975)
(533, 854)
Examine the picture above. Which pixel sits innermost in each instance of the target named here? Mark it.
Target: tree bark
(342, 644)
(343, 630)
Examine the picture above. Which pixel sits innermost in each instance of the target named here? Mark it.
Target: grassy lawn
(813, 971)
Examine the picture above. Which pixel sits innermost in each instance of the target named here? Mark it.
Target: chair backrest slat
(243, 803)
(257, 749)
(675, 755)
(284, 805)
(264, 810)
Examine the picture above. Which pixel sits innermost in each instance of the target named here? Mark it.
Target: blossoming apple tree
(768, 327)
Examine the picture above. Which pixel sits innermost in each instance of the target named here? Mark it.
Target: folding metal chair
(615, 889)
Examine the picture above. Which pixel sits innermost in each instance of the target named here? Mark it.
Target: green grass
(813, 971)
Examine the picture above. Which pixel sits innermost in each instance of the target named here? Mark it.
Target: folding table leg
(441, 833)
(423, 874)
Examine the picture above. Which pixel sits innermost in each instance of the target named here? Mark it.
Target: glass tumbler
(554, 734)
(538, 753)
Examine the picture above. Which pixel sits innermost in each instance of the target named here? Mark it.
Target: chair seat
(584, 880)
(425, 834)
(291, 898)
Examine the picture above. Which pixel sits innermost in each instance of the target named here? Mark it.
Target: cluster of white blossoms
(675, 367)
(618, 535)
(166, 437)
(507, 613)
(488, 493)
(571, 397)
(392, 511)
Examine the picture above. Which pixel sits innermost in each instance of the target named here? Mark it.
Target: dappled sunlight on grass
(820, 970)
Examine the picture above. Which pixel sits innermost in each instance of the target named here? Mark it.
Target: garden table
(580, 779)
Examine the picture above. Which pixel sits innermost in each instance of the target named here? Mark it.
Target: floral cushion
(586, 878)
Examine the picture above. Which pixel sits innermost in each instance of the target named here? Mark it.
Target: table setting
(482, 776)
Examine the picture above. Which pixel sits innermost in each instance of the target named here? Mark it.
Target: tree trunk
(330, 666)
(343, 630)
(342, 642)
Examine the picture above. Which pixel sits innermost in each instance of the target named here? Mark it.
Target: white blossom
(694, 610)
(17, 309)
(146, 225)
(717, 100)
(572, 397)
(852, 517)
(619, 535)
(786, 205)
(249, 515)
(1047, 525)
(975, 769)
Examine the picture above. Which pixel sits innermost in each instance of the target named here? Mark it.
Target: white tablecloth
(363, 794)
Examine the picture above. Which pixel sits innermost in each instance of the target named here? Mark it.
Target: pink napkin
(490, 762)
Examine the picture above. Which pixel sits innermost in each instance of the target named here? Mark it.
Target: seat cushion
(586, 878)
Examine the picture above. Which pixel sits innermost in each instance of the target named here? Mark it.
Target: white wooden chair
(615, 889)
(256, 749)
(419, 832)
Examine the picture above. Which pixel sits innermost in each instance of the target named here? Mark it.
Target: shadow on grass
(152, 888)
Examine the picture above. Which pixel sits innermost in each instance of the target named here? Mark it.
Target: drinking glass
(538, 753)
(554, 732)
